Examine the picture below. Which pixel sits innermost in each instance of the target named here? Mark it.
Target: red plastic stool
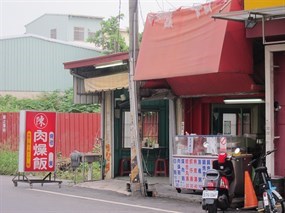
(161, 167)
(125, 166)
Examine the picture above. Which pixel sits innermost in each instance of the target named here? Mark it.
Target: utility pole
(137, 178)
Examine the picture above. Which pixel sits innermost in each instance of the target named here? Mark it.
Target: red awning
(188, 47)
(92, 79)
(105, 59)
(213, 84)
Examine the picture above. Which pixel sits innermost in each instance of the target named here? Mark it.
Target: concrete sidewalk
(160, 187)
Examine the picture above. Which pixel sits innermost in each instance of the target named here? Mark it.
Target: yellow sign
(258, 4)
(28, 149)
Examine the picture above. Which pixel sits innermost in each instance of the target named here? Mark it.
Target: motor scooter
(217, 192)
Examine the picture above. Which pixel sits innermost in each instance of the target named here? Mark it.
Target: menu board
(189, 172)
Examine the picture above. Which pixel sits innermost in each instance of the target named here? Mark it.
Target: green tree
(109, 37)
(55, 101)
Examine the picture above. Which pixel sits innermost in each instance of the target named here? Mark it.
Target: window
(53, 33)
(245, 123)
(78, 34)
(229, 123)
(149, 129)
(127, 129)
(91, 34)
(235, 120)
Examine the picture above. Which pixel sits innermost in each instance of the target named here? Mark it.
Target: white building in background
(71, 28)
(67, 27)
(33, 63)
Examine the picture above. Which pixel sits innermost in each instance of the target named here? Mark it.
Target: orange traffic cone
(250, 199)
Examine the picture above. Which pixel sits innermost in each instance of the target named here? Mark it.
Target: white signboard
(229, 124)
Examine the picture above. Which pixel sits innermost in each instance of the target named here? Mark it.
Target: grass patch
(80, 174)
(9, 166)
(8, 161)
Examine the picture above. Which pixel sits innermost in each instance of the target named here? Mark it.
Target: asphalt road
(49, 198)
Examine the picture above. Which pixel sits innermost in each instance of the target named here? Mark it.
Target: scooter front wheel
(279, 204)
(269, 206)
(212, 208)
(266, 209)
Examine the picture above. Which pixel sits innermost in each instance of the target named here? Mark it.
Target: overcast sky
(15, 14)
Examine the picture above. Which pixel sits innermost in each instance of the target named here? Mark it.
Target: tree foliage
(109, 37)
(55, 101)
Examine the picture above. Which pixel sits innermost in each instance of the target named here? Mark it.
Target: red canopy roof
(97, 60)
(190, 50)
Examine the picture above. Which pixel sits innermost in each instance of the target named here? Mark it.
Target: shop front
(193, 155)
(153, 128)
(100, 80)
(242, 125)
(265, 26)
(205, 62)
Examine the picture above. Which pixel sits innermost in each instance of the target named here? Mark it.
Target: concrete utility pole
(137, 178)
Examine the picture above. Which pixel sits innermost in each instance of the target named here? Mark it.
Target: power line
(118, 34)
(158, 5)
(141, 14)
(170, 4)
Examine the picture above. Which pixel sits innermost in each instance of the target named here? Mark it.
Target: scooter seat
(261, 169)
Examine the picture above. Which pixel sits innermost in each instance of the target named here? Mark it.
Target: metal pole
(102, 139)
(137, 178)
(269, 103)
(269, 109)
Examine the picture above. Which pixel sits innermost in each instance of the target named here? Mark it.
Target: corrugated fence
(74, 131)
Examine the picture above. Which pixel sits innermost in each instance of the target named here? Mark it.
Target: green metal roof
(33, 63)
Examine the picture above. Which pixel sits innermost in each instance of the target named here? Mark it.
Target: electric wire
(162, 3)
(170, 4)
(158, 5)
(141, 14)
(119, 25)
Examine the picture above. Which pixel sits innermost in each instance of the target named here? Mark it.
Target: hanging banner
(37, 141)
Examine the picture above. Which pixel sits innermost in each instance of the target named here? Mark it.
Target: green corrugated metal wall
(31, 63)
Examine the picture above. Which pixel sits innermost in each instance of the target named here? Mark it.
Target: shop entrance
(238, 120)
(154, 134)
(241, 120)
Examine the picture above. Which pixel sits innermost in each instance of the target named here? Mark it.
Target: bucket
(151, 190)
(278, 182)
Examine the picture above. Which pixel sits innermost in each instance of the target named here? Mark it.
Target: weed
(9, 166)
(8, 161)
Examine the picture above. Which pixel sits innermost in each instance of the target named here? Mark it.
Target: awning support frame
(263, 34)
(259, 14)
